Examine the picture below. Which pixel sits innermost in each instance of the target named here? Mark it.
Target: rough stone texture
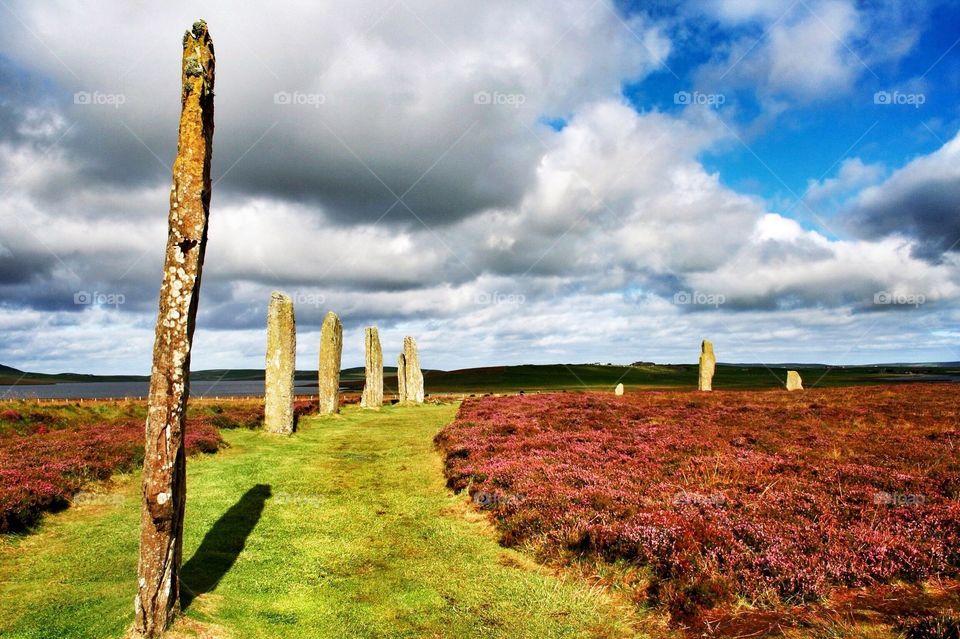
(331, 351)
(164, 468)
(708, 364)
(281, 365)
(793, 381)
(413, 376)
(373, 388)
(618, 390)
(401, 377)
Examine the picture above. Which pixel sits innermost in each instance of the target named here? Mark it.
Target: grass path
(343, 530)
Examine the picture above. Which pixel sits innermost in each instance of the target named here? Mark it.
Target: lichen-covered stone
(281, 365)
(618, 390)
(331, 352)
(413, 377)
(708, 363)
(373, 387)
(164, 469)
(793, 381)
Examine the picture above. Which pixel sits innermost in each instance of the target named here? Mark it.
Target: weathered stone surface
(373, 388)
(164, 469)
(401, 378)
(708, 364)
(331, 352)
(413, 376)
(281, 365)
(618, 390)
(793, 381)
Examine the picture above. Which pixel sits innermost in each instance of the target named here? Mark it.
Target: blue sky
(507, 181)
(812, 136)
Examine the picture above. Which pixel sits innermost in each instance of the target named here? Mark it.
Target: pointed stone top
(280, 297)
(331, 317)
(196, 33)
(706, 347)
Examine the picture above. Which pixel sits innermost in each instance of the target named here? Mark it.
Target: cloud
(346, 109)
(780, 54)
(919, 201)
(798, 52)
(852, 176)
(785, 266)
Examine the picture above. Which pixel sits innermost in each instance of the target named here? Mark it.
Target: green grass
(342, 530)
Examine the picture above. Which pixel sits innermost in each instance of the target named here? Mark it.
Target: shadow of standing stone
(222, 544)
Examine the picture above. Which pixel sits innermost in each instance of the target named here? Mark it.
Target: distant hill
(728, 376)
(567, 376)
(13, 376)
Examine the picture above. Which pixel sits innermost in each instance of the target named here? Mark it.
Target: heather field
(828, 513)
(50, 452)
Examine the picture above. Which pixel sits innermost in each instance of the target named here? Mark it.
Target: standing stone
(373, 388)
(331, 351)
(413, 376)
(707, 365)
(402, 378)
(164, 467)
(281, 365)
(618, 390)
(793, 381)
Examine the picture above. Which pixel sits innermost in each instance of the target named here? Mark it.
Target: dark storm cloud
(19, 268)
(927, 210)
(39, 279)
(20, 91)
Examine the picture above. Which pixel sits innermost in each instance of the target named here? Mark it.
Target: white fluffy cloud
(852, 175)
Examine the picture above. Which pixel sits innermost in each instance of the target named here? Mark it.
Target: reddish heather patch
(779, 498)
(44, 468)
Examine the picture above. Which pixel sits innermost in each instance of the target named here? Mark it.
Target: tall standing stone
(373, 388)
(413, 376)
(707, 365)
(281, 365)
(331, 351)
(402, 378)
(793, 381)
(164, 467)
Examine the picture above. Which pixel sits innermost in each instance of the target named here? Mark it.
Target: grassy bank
(343, 530)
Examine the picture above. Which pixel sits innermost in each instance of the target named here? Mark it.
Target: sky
(536, 181)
